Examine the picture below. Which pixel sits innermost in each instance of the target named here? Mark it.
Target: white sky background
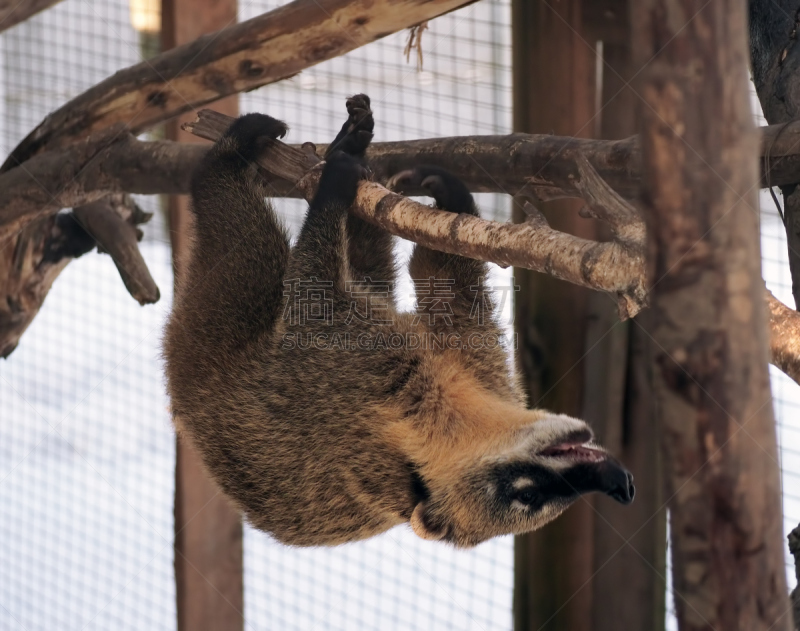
(86, 447)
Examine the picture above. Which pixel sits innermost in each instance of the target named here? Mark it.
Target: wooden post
(208, 530)
(553, 78)
(699, 151)
(629, 545)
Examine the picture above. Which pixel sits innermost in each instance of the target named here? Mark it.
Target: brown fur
(324, 446)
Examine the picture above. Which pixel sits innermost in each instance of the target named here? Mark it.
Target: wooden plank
(553, 78)
(208, 529)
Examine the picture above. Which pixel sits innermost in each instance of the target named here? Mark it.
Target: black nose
(625, 491)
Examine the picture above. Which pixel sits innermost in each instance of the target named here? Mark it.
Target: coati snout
(322, 411)
(544, 468)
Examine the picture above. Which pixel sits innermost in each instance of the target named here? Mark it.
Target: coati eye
(525, 496)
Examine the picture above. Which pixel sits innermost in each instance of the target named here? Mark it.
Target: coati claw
(249, 134)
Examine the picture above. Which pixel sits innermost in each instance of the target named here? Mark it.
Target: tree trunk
(710, 366)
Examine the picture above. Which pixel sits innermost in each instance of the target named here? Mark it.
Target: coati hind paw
(450, 193)
(356, 133)
(249, 134)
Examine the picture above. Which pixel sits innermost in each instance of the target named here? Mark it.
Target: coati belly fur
(325, 443)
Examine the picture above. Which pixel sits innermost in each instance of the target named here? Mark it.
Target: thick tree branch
(244, 56)
(544, 166)
(709, 326)
(12, 12)
(110, 161)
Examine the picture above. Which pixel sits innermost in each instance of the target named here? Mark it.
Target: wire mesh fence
(86, 445)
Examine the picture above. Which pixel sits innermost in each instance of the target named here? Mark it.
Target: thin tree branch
(265, 49)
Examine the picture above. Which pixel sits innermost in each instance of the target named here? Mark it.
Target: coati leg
(369, 247)
(450, 288)
(320, 256)
(232, 291)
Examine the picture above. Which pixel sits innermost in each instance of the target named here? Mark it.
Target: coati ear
(422, 526)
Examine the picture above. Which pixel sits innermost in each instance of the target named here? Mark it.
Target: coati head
(505, 470)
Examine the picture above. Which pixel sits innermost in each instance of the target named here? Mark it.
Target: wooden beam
(629, 548)
(208, 529)
(265, 49)
(553, 80)
(709, 371)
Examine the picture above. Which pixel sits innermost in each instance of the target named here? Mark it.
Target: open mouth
(575, 452)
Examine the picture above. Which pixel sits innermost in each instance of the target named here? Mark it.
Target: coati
(325, 423)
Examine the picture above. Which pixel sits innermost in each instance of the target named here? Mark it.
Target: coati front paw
(340, 178)
(356, 133)
(449, 192)
(250, 133)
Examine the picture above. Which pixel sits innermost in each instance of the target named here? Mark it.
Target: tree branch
(615, 266)
(244, 56)
(45, 247)
(784, 326)
(12, 12)
(110, 161)
(113, 161)
(112, 223)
